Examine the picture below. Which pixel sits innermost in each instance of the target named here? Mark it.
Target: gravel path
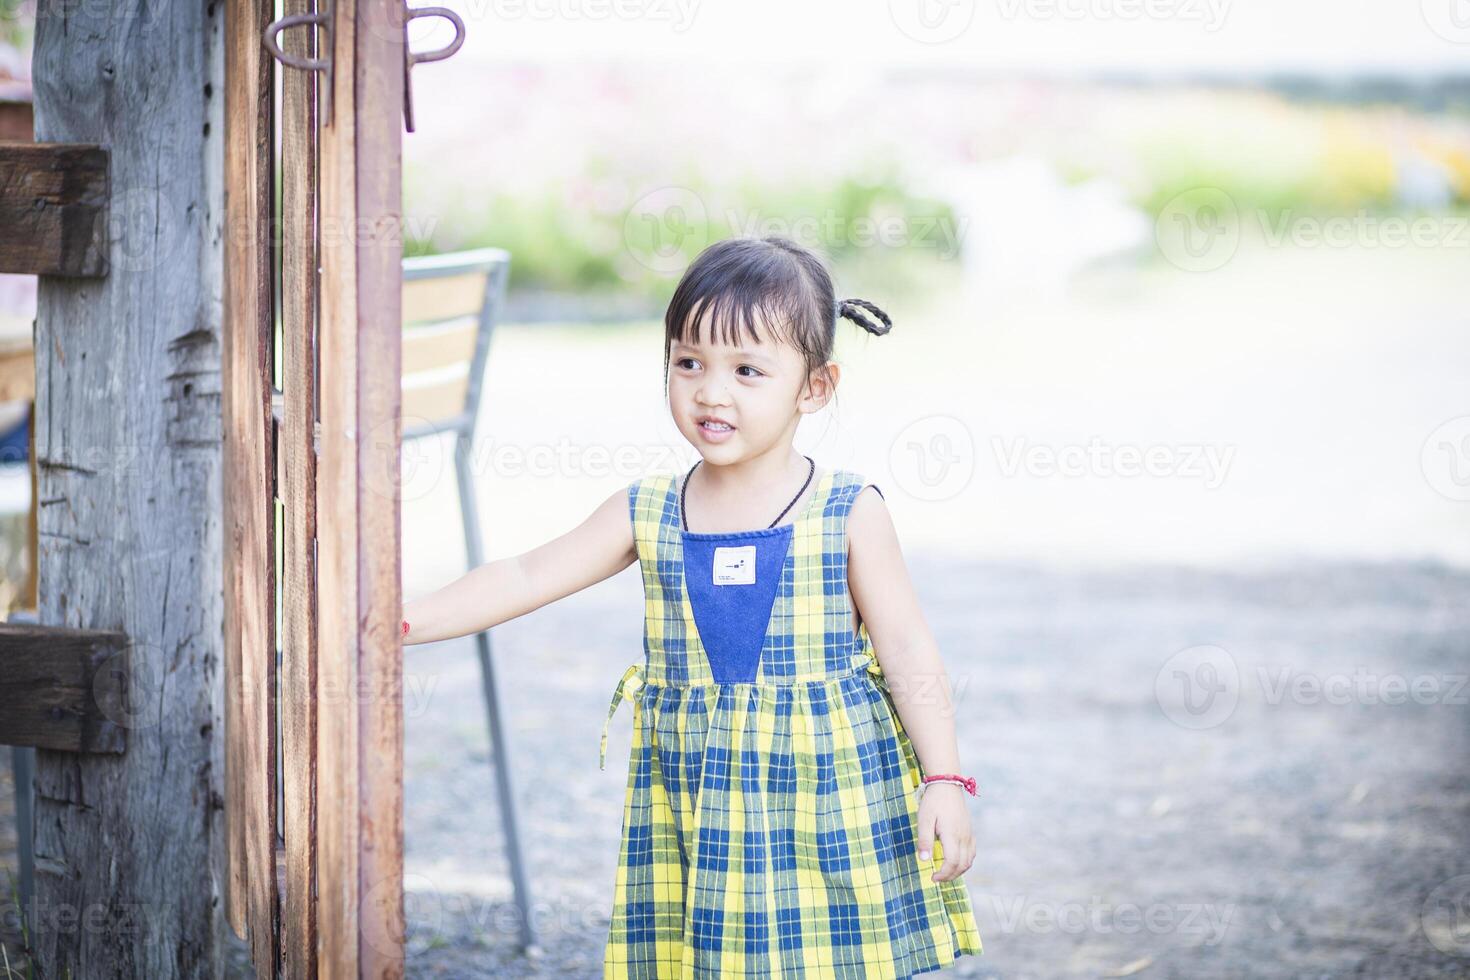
(1309, 821)
(1315, 828)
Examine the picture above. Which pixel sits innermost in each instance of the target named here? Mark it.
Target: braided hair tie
(866, 315)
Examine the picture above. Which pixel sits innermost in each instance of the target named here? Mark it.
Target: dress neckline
(822, 481)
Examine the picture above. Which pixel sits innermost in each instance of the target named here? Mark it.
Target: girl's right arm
(598, 548)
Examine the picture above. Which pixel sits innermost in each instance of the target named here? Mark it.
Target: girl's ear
(820, 387)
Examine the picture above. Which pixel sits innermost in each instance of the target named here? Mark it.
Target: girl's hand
(942, 810)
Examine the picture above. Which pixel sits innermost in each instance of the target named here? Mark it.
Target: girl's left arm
(885, 599)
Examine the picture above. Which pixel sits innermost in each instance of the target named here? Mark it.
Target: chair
(450, 305)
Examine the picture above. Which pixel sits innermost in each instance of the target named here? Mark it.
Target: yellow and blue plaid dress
(770, 827)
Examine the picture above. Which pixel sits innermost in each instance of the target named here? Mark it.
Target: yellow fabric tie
(631, 683)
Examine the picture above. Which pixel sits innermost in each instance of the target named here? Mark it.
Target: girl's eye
(743, 367)
(685, 360)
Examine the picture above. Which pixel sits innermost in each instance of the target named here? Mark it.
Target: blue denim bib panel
(733, 618)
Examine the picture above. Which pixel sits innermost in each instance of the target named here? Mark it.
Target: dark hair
(787, 283)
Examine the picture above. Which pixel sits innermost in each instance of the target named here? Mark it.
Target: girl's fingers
(926, 839)
(951, 856)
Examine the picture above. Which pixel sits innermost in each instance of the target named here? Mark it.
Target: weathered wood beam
(64, 689)
(128, 439)
(53, 209)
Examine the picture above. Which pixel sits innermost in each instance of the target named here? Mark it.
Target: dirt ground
(1310, 821)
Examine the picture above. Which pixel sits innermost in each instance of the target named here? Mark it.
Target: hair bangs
(733, 317)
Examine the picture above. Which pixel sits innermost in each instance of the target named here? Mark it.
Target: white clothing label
(735, 565)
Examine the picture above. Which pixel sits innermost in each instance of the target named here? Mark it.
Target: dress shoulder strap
(846, 485)
(648, 502)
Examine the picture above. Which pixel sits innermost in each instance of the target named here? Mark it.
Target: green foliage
(638, 246)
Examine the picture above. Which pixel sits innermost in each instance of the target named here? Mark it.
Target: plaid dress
(769, 825)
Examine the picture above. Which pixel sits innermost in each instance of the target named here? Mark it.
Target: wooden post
(249, 507)
(360, 664)
(128, 449)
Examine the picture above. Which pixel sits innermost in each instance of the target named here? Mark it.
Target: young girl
(770, 824)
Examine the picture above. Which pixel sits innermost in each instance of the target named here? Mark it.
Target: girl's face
(759, 391)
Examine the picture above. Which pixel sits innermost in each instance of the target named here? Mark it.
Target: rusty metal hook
(410, 58)
(321, 18)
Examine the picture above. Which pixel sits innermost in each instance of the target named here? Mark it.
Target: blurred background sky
(1173, 280)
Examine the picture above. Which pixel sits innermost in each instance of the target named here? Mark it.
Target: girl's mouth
(715, 431)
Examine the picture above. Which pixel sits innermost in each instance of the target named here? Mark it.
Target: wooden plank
(128, 444)
(298, 498)
(249, 510)
(427, 348)
(337, 542)
(436, 401)
(430, 300)
(53, 209)
(378, 123)
(63, 689)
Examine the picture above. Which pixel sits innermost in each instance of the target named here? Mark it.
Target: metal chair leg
(493, 709)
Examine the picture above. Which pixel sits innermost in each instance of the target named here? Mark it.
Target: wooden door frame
(336, 896)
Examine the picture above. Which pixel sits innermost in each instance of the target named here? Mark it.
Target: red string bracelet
(965, 782)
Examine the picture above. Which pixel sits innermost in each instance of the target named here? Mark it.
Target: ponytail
(865, 315)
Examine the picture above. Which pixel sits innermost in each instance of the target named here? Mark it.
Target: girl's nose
(713, 393)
